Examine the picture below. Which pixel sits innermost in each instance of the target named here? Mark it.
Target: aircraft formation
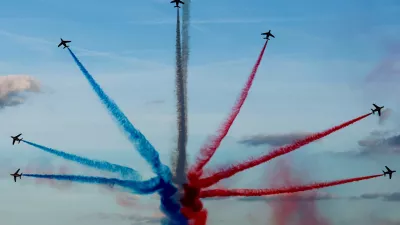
(64, 43)
(268, 34)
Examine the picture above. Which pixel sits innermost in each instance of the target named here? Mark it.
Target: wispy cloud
(273, 139)
(379, 143)
(221, 21)
(391, 197)
(14, 87)
(300, 197)
(42, 44)
(155, 102)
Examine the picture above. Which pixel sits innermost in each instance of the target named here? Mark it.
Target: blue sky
(312, 77)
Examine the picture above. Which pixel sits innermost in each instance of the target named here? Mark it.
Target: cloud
(155, 102)
(273, 139)
(379, 143)
(40, 44)
(390, 197)
(220, 21)
(14, 89)
(307, 196)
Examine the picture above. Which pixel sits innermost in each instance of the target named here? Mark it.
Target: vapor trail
(144, 147)
(180, 176)
(185, 62)
(125, 172)
(140, 187)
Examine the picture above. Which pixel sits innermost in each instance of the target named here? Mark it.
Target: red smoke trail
(49, 168)
(195, 218)
(208, 150)
(263, 192)
(232, 170)
(294, 212)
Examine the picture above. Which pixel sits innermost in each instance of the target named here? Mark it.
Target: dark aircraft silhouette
(268, 34)
(64, 43)
(15, 175)
(16, 138)
(388, 172)
(377, 109)
(177, 3)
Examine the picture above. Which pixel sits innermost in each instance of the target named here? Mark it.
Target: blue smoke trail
(169, 205)
(139, 187)
(125, 172)
(144, 147)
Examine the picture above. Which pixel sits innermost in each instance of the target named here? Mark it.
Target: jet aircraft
(268, 34)
(15, 175)
(377, 109)
(389, 172)
(16, 138)
(64, 43)
(177, 2)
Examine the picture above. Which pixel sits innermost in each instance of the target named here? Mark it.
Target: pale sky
(312, 77)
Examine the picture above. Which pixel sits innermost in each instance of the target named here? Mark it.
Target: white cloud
(13, 87)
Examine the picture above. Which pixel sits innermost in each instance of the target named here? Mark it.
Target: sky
(313, 76)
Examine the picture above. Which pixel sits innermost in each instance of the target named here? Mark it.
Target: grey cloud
(371, 196)
(273, 139)
(379, 143)
(392, 197)
(13, 89)
(376, 143)
(298, 197)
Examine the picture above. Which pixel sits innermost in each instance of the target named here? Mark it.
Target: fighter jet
(388, 172)
(15, 175)
(268, 34)
(377, 109)
(16, 138)
(177, 3)
(64, 43)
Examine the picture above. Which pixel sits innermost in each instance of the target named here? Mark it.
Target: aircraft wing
(18, 135)
(263, 33)
(390, 176)
(67, 41)
(375, 105)
(59, 44)
(172, 1)
(379, 113)
(13, 141)
(272, 35)
(17, 171)
(181, 2)
(15, 179)
(387, 168)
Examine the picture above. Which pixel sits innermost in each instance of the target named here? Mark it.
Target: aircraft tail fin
(20, 176)
(373, 111)
(384, 173)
